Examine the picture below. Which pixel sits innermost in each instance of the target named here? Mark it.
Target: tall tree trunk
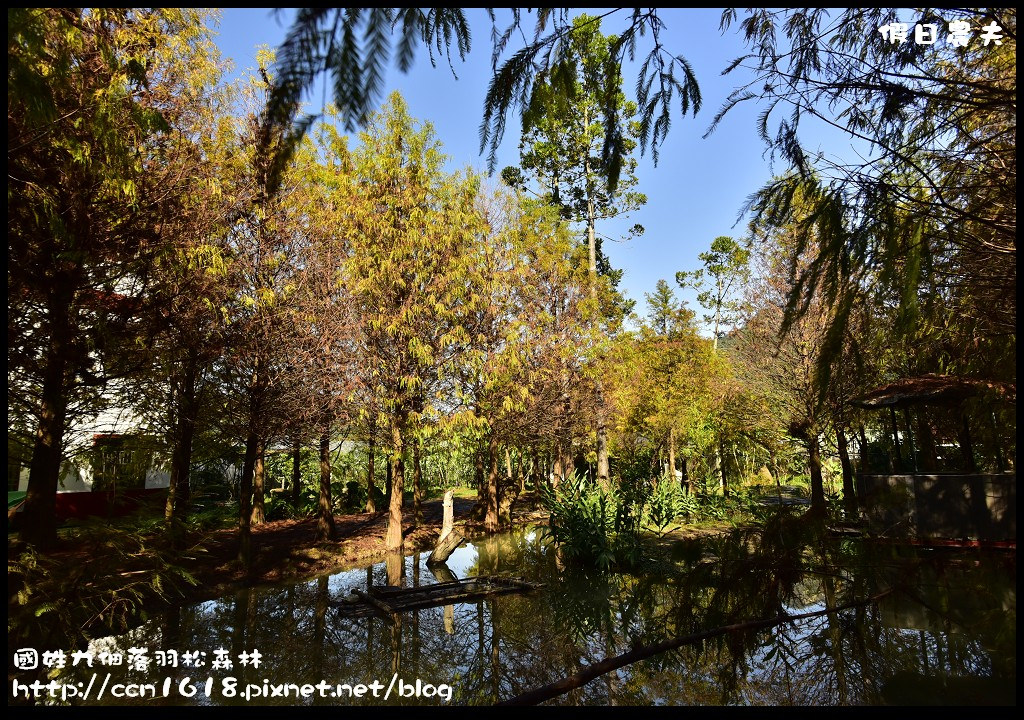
(481, 484)
(491, 523)
(296, 473)
(910, 441)
(863, 439)
(926, 442)
(39, 517)
(849, 494)
(966, 446)
(245, 500)
(898, 459)
(672, 455)
(254, 392)
(389, 480)
(603, 463)
(817, 483)
(557, 471)
(393, 539)
(325, 529)
(178, 491)
(509, 474)
(259, 515)
(603, 469)
(535, 468)
(522, 472)
(417, 483)
(371, 487)
(721, 467)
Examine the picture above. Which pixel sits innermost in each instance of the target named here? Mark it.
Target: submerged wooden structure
(387, 601)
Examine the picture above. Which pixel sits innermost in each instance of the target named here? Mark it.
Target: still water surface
(945, 635)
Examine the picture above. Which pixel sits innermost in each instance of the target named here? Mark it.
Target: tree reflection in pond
(947, 634)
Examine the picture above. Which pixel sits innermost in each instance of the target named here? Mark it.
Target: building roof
(934, 389)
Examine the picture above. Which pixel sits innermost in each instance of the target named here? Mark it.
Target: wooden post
(450, 538)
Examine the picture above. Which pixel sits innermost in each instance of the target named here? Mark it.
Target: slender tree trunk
(721, 467)
(714, 342)
(603, 463)
(491, 523)
(509, 475)
(417, 480)
(925, 441)
(910, 440)
(898, 459)
(603, 467)
(39, 517)
(863, 449)
(259, 515)
(966, 446)
(672, 455)
(181, 455)
(557, 471)
(296, 473)
(393, 540)
(245, 501)
(536, 470)
(389, 480)
(325, 529)
(371, 488)
(479, 479)
(252, 447)
(849, 494)
(817, 483)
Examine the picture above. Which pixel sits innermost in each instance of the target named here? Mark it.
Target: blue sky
(694, 193)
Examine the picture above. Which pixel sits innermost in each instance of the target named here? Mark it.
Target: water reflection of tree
(501, 647)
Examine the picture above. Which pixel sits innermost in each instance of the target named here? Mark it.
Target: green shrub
(665, 504)
(594, 526)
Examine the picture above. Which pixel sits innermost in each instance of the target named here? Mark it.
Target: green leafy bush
(594, 526)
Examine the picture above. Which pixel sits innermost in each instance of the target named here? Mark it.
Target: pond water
(946, 634)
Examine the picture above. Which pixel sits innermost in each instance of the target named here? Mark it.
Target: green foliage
(560, 148)
(725, 271)
(604, 528)
(666, 503)
(593, 525)
(276, 507)
(355, 45)
(926, 225)
(122, 570)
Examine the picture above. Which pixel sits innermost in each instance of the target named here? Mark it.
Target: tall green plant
(593, 525)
